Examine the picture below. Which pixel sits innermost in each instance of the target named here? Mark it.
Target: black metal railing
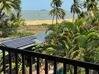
(76, 65)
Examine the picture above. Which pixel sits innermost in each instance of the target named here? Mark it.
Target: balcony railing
(76, 65)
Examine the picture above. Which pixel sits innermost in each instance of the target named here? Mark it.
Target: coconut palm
(57, 11)
(75, 9)
(91, 6)
(7, 6)
(56, 3)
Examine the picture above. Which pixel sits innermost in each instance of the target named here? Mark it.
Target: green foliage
(59, 12)
(85, 9)
(10, 26)
(56, 3)
(8, 7)
(72, 41)
(21, 34)
(10, 18)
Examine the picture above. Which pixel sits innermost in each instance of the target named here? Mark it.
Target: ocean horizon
(40, 15)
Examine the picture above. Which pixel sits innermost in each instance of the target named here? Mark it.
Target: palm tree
(56, 3)
(8, 6)
(75, 9)
(57, 11)
(91, 6)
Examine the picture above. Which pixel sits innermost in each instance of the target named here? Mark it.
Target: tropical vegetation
(57, 12)
(10, 18)
(77, 40)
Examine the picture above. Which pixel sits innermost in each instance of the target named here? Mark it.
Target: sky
(42, 4)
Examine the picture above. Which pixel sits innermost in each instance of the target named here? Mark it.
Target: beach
(40, 22)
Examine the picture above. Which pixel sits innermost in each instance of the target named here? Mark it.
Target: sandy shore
(39, 22)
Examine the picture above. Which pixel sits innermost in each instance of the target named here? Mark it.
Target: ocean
(40, 15)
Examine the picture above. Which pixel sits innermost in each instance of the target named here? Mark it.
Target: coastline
(40, 22)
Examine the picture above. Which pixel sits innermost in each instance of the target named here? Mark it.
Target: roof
(24, 42)
(19, 42)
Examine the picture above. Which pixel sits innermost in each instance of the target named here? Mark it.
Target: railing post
(86, 71)
(10, 62)
(46, 66)
(75, 69)
(55, 67)
(38, 65)
(64, 68)
(3, 61)
(30, 65)
(98, 72)
(23, 64)
(16, 63)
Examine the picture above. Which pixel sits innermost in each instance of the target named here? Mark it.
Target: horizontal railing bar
(54, 58)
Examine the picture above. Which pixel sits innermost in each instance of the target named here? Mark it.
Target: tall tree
(8, 6)
(57, 11)
(75, 8)
(56, 3)
(91, 6)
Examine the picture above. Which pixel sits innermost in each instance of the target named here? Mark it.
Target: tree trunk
(56, 19)
(53, 20)
(73, 17)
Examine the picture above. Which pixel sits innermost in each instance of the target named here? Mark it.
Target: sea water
(40, 15)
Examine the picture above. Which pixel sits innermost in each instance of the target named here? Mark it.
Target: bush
(72, 41)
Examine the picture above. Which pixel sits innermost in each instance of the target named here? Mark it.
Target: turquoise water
(40, 14)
